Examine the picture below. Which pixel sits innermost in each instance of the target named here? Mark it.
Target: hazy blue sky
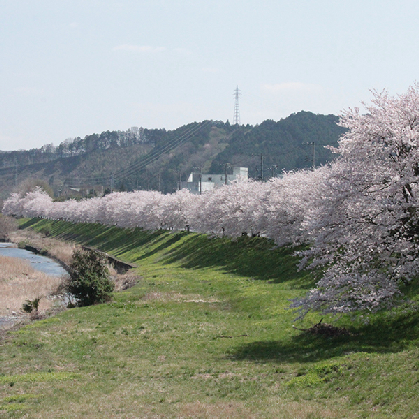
(70, 68)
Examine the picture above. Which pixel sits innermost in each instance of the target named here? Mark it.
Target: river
(38, 262)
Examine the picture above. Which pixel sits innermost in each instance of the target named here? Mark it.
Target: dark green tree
(89, 278)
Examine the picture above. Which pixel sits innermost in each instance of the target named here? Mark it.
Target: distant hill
(285, 144)
(156, 158)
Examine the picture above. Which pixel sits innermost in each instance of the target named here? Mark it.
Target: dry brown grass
(61, 250)
(7, 226)
(58, 249)
(20, 282)
(123, 281)
(13, 267)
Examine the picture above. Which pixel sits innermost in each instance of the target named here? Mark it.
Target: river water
(38, 262)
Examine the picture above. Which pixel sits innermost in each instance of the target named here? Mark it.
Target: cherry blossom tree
(229, 210)
(11, 205)
(284, 204)
(35, 203)
(364, 225)
(359, 214)
(176, 209)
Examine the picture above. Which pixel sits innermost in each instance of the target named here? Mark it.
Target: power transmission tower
(236, 118)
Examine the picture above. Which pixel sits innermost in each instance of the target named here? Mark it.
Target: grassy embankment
(205, 334)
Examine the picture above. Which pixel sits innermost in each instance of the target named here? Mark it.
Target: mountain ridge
(157, 158)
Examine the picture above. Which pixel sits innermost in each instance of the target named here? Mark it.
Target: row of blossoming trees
(358, 215)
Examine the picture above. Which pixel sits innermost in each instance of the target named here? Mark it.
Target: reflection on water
(38, 262)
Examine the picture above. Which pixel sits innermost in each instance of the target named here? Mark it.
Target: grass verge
(205, 334)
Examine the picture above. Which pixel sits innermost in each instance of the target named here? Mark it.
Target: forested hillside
(157, 158)
(286, 144)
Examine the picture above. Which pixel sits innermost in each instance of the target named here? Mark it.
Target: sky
(70, 68)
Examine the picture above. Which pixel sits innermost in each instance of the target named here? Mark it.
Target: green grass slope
(205, 334)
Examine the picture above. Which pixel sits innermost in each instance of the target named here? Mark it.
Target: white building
(199, 183)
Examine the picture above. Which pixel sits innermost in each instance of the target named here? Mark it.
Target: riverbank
(20, 282)
(206, 334)
(24, 283)
(61, 251)
(58, 250)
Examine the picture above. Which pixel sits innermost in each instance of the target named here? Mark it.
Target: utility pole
(158, 183)
(261, 167)
(314, 152)
(236, 117)
(112, 182)
(275, 166)
(225, 173)
(147, 178)
(180, 180)
(16, 171)
(200, 179)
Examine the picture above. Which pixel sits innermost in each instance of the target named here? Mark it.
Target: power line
(155, 154)
(149, 158)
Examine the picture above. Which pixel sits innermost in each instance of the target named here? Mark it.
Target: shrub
(7, 226)
(31, 305)
(89, 278)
